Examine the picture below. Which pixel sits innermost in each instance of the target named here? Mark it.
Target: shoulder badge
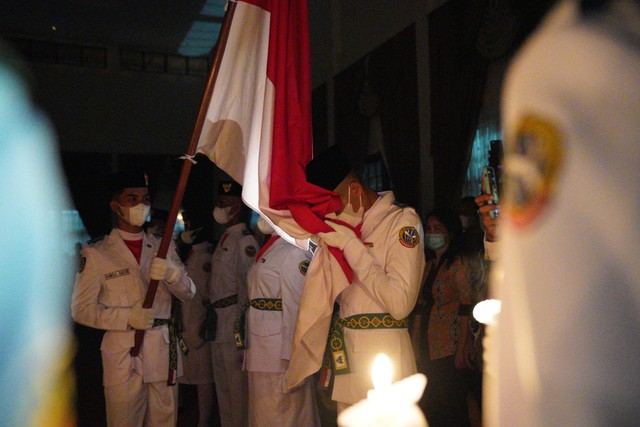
(250, 251)
(409, 237)
(531, 166)
(83, 264)
(303, 267)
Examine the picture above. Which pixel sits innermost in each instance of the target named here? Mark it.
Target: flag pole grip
(187, 163)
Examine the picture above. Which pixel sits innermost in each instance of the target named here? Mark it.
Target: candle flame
(486, 311)
(382, 372)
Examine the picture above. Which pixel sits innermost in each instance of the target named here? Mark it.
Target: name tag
(116, 274)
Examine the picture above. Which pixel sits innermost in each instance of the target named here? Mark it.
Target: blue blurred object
(35, 274)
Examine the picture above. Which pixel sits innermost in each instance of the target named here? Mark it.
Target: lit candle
(387, 405)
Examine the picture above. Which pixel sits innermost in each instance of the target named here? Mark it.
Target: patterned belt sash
(265, 304)
(175, 339)
(339, 360)
(225, 302)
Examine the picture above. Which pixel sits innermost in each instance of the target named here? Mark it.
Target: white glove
(164, 269)
(141, 318)
(189, 236)
(339, 237)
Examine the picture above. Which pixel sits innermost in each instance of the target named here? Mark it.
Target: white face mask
(264, 226)
(435, 241)
(222, 215)
(135, 215)
(350, 216)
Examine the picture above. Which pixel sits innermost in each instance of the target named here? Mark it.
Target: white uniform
(230, 265)
(565, 347)
(279, 273)
(197, 364)
(110, 281)
(387, 273)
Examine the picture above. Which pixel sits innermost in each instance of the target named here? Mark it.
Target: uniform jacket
(197, 364)
(387, 274)
(230, 265)
(108, 284)
(387, 267)
(563, 349)
(279, 273)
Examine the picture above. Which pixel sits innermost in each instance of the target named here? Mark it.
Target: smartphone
(490, 186)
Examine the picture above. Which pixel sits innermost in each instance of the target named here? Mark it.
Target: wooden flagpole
(186, 166)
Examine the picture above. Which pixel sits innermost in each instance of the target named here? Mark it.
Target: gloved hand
(141, 318)
(164, 269)
(339, 237)
(189, 236)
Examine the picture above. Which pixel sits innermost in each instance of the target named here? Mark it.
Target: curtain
(458, 73)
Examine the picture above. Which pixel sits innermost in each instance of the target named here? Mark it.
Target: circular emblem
(531, 167)
(83, 263)
(303, 267)
(409, 237)
(250, 251)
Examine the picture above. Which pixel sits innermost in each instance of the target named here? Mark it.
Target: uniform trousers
(135, 403)
(231, 384)
(269, 406)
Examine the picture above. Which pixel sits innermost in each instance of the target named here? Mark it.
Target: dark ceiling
(159, 25)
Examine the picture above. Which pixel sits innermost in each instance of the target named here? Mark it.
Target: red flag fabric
(258, 125)
(258, 130)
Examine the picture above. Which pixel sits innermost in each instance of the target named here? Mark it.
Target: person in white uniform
(197, 363)
(563, 349)
(387, 259)
(110, 287)
(230, 264)
(275, 284)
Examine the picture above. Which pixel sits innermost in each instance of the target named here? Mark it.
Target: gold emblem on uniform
(226, 187)
(534, 159)
(303, 267)
(340, 359)
(409, 237)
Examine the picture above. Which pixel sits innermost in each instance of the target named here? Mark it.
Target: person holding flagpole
(112, 279)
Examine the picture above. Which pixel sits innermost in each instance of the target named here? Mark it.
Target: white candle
(387, 405)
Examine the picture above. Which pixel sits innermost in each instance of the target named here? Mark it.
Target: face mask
(264, 226)
(434, 241)
(350, 216)
(222, 215)
(135, 215)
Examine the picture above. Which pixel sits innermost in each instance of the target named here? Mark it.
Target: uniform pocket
(266, 328)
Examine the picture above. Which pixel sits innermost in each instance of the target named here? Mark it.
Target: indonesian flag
(258, 130)
(258, 125)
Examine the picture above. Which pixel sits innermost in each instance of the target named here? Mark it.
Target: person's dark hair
(452, 223)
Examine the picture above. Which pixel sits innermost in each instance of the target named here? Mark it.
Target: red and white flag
(258, 124)
(258, 130)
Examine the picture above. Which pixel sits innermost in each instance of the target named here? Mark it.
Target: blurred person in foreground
(36, 383)
(563, 348)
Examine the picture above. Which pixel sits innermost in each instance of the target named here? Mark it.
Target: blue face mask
(434, 241)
